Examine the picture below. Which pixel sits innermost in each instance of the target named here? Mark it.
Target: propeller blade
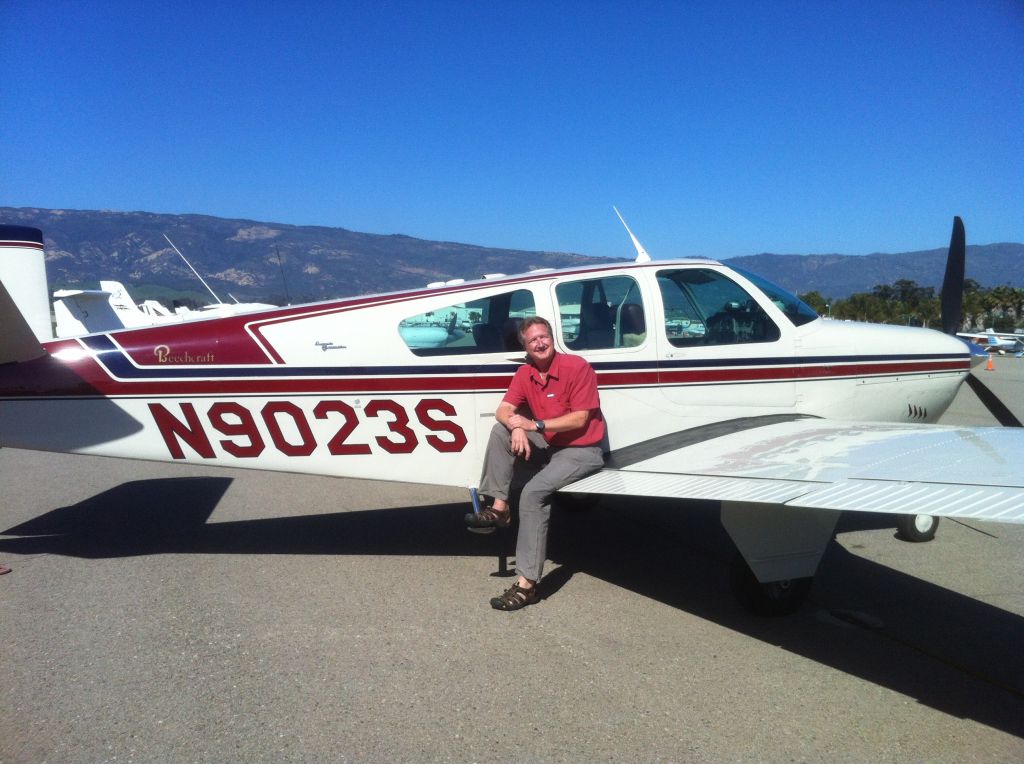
(952, 295)
(995, 406)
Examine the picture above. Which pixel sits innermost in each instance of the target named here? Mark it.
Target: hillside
(242, 257)
(841, 275)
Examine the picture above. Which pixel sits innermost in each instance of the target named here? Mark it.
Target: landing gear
(916, 528)
(773, 598)
(780, 548)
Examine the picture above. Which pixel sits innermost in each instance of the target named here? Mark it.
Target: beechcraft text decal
(164, 355)
(333, 426)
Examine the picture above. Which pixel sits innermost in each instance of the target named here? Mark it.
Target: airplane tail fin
(124, 307)
(24, 297)
(84, 311)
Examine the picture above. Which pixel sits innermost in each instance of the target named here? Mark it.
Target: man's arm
(504, 413)
(574, 420)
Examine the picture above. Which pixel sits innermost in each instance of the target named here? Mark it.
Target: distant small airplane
(109, 308)
(997, 342)
(715, 384)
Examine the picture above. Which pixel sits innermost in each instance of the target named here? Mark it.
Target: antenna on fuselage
(219, 301)
(641, 253)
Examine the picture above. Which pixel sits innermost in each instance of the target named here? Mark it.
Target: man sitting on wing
(559, 442)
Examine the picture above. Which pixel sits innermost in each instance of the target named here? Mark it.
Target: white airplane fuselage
(335, 389)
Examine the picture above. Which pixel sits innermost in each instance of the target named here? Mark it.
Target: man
(551, 419)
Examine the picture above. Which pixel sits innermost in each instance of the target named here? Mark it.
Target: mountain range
(277, 262)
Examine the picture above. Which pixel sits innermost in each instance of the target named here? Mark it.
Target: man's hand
(522, 422)
(520, 443)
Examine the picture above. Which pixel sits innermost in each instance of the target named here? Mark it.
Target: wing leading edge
(969, 473)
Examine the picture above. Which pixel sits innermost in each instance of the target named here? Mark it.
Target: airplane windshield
(797, 311)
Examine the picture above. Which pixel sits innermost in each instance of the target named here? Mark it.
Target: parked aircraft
(715, 384)
(997, 342)
(109, 308)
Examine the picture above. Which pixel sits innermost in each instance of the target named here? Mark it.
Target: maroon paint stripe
(29, 244)
(96, 381)
(846, 370)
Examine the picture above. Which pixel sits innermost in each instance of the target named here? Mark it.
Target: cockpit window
(704, 307)
(487, 325)
(796, 310)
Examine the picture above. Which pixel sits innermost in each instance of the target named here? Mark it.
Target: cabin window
(704, 307)
(596, 314)
(487, 325)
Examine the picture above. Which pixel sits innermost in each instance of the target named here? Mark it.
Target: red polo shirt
(571, 386)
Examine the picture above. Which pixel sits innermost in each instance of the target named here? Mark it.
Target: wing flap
(997, 503)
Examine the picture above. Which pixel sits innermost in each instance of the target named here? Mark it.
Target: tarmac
(169, 613)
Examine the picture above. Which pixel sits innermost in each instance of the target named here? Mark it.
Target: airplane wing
(961, 472)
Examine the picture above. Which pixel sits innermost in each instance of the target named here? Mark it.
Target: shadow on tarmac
(948, 651)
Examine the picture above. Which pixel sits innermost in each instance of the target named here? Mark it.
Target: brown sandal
(489, 517)
(516, 597)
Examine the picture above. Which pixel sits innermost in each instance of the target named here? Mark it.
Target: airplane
(715, 385)
(997, 342)
(109, 308)
(87, 311)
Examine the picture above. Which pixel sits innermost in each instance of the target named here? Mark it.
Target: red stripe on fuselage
(807, 373)
(48, 377)
(22, 244)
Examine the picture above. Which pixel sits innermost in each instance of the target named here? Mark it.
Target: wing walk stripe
(648, 449)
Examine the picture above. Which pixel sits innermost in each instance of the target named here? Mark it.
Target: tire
(772, 599)
(916, 528)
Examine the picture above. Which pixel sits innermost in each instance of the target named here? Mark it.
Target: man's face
(539, 346)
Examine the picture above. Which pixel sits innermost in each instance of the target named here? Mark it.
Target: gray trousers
(550, 468)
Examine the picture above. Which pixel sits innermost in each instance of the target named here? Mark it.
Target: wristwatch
(539, 424)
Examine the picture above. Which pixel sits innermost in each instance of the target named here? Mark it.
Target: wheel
(775, 598)
(916, 528)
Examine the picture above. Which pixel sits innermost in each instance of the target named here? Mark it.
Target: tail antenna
(641, 253)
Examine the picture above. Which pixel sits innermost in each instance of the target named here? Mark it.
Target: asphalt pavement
(160, 612)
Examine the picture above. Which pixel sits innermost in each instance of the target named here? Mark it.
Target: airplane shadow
(948, 651)
(169, 515)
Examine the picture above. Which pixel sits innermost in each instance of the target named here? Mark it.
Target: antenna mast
(219, 301)
(284, 281)
(641, 253)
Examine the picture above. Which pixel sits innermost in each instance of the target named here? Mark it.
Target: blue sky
(717, 128)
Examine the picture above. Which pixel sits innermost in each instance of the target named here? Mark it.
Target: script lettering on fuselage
(294, 431)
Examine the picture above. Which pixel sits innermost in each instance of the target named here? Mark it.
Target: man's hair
(532, 321)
